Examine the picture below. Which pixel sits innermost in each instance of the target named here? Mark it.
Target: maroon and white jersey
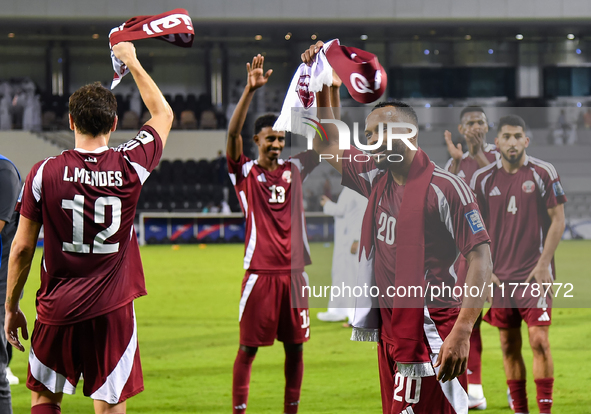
(452, 226)
(272, 202)
(468, 165)
(515, 210)
(86, 201)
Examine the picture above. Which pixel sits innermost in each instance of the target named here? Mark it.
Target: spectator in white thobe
(348, 214)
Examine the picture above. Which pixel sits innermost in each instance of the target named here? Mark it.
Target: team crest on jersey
(286, 176)
(558, 190)
(528, 186)
(306, 97)
(474, 221)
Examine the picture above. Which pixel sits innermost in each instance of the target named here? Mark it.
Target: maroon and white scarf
(174, 26)
(410, 351)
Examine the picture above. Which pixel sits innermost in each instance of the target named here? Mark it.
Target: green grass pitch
(188, 333)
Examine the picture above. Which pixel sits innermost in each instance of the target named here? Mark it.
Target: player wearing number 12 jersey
(91, 269)
(521, 200)
(276, 251)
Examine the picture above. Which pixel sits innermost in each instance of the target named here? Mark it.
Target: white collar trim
(96, 151)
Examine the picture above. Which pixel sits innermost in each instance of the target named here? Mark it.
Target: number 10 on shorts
(305, 314)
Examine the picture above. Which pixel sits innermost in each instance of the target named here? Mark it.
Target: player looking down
(270, 193)
(422, 350)
(91, 269)
(521, 200)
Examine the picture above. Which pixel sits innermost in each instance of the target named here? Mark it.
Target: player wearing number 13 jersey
(276, 251)
(91, 269)
(521, 200)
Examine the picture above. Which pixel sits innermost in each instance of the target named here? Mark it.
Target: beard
(513, 158)
(398, 150)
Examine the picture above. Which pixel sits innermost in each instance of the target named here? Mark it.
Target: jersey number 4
(98, 247)
(512, 207)
(277, 194)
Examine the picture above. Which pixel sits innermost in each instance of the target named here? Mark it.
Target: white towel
(300, 100)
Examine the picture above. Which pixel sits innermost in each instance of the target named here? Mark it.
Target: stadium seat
(130, 120)
(188, 120)
(48, 121)
(208, 120)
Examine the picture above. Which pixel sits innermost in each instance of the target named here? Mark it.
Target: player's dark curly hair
(405, 108)
(511, 120)
(93, 109)
(469, 109)
(263, 121)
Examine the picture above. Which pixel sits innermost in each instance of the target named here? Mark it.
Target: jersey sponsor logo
(286, 176)
(474, 221)
(494, 192)
(91, 159)
(306, 97)
(528, 186)
(261, 178)
(558, 190)
(544, 317)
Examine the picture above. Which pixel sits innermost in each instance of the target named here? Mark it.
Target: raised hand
(256, 75)
(455, 151)
(474, 139)
(309, 55)
(125, 52)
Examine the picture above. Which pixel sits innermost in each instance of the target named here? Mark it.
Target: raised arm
(255, 79)
(330, 146)
(162, 115)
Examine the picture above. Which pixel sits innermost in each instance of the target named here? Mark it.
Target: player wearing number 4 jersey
(91, 269)
(521, 200)
(270, 193)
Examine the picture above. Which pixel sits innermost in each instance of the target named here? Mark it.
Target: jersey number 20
(98, 247)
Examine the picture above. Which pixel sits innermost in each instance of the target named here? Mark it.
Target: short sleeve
(359, 175)
(459, 208)
(238, 170)
(29, 201)
(554, 193)
(10, 185)
(305, 161)
(145, 150)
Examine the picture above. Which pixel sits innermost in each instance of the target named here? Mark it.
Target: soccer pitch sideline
(188, 333)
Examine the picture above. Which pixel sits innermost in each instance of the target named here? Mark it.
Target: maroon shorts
(510, 307)
(266, 311)
(104, 349)
(424, 395)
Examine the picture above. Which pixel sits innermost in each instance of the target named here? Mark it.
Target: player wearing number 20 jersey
(86, 201)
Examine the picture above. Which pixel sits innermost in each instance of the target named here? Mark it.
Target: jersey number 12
(98, 247)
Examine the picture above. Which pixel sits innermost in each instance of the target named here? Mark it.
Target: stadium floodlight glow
(490, 51)
(468, 37)
(426, 51)
(578, 51)
(314, 36)
(519, 36)
(427, 105)
(95, 36)
(288, 36)
(570, 36)
(363, 37)
(11, 35)
(579, 105)
(258, 37)
(436, 51)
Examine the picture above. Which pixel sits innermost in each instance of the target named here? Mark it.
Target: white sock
(475, 391)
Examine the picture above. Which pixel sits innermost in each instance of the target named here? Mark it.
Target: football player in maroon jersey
(91, 268)
(270, 193)
(473, 126)
(422, 350)
(521, 199)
